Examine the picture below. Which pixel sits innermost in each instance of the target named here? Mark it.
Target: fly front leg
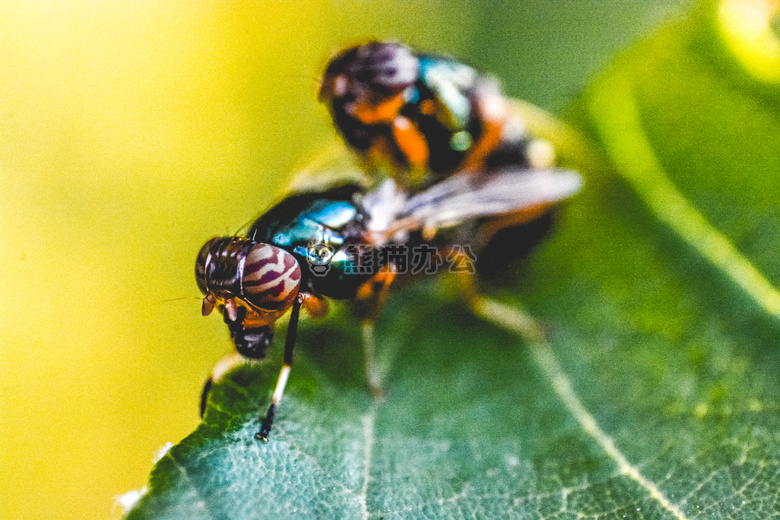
(289, 344)
(373, 377)
(225, 365)
(250, 342)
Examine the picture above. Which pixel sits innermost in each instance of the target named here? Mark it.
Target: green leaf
(655, 393)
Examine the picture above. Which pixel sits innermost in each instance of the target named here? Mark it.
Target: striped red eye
(271, 277)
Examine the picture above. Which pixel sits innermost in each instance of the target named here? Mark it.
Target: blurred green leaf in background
(133, 133)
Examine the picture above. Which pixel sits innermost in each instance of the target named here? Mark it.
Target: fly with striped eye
(343, 243)
(255, 280)
(421, 117)
(259, 282)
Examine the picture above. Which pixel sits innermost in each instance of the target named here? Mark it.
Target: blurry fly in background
(450, 165)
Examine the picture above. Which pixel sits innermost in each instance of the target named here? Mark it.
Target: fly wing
(466, 196)
(333, 165)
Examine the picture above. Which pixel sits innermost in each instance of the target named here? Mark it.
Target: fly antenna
(169, 300)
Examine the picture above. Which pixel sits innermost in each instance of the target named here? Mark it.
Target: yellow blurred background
(130, 133)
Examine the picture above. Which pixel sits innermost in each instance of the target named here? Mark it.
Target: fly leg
(370, 298)
(373, 376)
(482, 306)
(251, 344)
(289, 344)
(220, 369)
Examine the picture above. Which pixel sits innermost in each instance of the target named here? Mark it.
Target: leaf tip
(129, 500)
(162, 452)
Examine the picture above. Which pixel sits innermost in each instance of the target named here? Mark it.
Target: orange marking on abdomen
(517, 218)
(492, 111)
(411, 142)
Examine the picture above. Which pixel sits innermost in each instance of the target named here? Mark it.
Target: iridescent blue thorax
(449, 81)
(441, 106)
(326, 234)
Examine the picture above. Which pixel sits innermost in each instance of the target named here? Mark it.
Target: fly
(422, 117)
(343, 243)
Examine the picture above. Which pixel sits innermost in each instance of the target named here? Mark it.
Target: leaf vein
(368, 421)
(617, 117)
(511, 319)
(201, 501)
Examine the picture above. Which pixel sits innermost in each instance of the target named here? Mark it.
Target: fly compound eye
(271, 277)
(385, 68)
(204, 266)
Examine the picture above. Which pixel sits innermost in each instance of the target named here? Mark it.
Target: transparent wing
(333, 165)
(467, 196)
